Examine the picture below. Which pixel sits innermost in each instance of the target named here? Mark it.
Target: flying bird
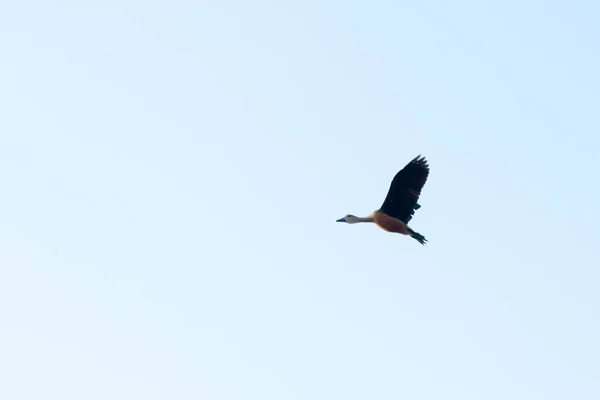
(400, 203)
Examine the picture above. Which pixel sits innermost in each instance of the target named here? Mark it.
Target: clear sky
(172, 171)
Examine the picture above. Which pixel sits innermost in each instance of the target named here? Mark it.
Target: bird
(401, 201)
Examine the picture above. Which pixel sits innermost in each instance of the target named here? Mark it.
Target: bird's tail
(417, 236)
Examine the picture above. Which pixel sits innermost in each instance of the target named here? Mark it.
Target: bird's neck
(365, 219)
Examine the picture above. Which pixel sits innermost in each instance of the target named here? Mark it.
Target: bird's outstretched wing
(405, 190)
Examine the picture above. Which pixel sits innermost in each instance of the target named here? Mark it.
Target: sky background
(172, 171)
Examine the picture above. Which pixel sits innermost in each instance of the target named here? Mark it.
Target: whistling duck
(401, 201)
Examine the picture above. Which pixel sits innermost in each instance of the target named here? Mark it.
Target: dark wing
(405, 190)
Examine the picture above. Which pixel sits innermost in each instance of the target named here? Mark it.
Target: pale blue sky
(171, 173)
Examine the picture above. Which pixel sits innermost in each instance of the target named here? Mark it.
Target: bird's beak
(341, 220)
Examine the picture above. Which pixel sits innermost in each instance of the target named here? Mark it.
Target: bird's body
(400, 203)
(389, 224)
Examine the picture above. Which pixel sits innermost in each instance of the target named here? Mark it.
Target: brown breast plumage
(389, 224)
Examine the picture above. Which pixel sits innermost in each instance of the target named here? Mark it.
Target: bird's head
(349, 219)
